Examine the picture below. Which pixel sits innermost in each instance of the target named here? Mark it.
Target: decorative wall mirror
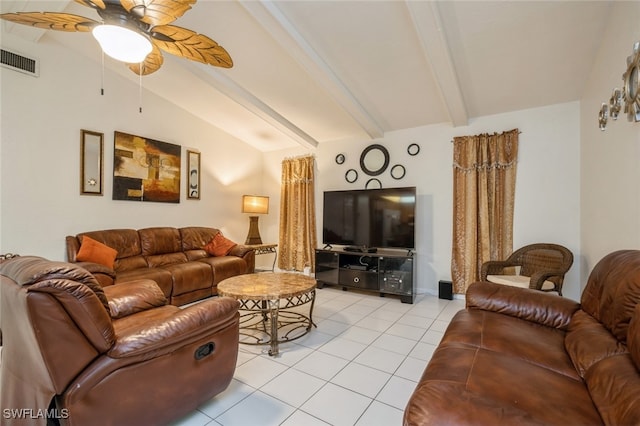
(373, 183)
(398, 171)
(193, 179)
(340, 159)
(413, 149)
(632, 85)
(351, 176)
(374, 160)
(603, 117)
(629, 96)
(91, 162)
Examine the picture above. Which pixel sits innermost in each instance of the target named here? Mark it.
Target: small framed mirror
(351, 176)
(374, 160)
(398, 171)
(632, 85)
(632, 82)
(193, 180)
(91, 162)
(373, 183)
(340, 159)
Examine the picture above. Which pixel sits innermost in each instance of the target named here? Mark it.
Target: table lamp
(255, 204)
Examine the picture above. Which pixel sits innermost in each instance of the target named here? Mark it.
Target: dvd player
(357, 267)
(361, 249)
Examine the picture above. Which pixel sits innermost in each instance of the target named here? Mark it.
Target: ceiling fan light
(122, 43)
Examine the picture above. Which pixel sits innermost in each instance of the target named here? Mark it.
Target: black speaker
(445, 290)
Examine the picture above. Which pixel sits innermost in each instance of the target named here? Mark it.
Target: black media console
(384, 272)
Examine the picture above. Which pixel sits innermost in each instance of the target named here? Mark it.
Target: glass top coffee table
(271, 302)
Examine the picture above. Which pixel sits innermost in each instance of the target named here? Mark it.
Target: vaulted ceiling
(308, 71)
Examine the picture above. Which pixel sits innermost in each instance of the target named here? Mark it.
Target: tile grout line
(356, 300)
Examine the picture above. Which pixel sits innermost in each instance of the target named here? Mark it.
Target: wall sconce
(629, 95)
(257, 205)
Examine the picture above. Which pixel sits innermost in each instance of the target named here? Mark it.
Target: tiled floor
(358, 367)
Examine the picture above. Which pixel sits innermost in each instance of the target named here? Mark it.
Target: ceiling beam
(428, 24)
(239, 94)
(269, 16)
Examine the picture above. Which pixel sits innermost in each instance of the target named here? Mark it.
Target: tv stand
(381, 272)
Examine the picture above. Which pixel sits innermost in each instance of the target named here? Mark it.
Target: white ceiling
(309, 71)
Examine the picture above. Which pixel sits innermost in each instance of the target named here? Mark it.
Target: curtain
(297, 238)
(484, 179)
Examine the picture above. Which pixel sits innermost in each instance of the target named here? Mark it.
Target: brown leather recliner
(115, 356)
(518, 356)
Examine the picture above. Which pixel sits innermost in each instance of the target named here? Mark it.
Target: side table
(265, 249)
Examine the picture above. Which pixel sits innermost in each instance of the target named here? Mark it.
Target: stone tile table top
(266, 286)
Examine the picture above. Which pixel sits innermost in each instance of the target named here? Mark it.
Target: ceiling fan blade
(151, 64)
(191, 45)
(52, 21)
(96, 4)
(157, 12)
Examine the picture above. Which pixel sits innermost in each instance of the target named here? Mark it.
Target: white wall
(547, 188)
(610, 160)
(40, 156)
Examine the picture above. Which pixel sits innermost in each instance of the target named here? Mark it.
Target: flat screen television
(370, 218)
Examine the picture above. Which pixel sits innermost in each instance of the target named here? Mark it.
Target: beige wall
(576, 185)
(40, 155)
(547, 191)
(610, 160)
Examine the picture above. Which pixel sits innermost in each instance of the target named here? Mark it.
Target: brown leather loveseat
(121, 355)
(522, 357)
(175, 258)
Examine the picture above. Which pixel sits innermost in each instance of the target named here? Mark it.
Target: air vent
(19, 63)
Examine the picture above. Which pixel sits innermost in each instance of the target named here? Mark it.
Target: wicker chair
(542, 267)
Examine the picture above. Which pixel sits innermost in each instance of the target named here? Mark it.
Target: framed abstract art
(145, 169)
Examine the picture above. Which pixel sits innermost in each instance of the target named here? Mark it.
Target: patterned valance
(486, 151)
(299, 169)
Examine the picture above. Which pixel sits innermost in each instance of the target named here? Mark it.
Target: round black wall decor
(340, 159)
(413, 149)
(351, 175)
(374, 160)
(398, 171)
(373, 183)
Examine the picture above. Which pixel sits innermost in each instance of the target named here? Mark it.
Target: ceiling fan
(134, 26)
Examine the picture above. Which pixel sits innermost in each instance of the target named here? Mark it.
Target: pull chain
(141, 65)
(102, 76)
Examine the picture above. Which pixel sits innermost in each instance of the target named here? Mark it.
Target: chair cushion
(517, 281)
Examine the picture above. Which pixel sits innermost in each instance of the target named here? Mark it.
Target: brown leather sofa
(522, 357)
(121, 355)
(172, 257)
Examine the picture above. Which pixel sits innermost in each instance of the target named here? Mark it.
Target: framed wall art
(145, 169)
(193, 175)
(91, 162)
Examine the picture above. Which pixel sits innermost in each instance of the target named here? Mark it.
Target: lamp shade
(122, 43)
(255, 204)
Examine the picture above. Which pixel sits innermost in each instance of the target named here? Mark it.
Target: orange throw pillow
(96, 252)
(219, 245)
